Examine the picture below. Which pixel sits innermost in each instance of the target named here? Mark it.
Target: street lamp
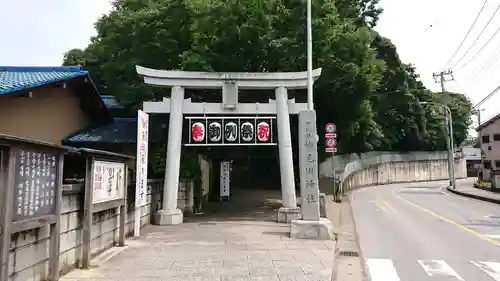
(449, 141)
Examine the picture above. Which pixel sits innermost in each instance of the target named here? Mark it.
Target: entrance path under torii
(243, 245)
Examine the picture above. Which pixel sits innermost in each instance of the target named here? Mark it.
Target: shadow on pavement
(243, 205)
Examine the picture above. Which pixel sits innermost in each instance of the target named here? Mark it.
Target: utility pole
(442, 77)
(477, 112)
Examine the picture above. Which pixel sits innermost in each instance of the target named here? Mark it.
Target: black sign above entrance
(228, 131)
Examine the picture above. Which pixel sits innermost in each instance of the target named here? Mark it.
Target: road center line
(381, 206)
(388, 206)
(478, 235)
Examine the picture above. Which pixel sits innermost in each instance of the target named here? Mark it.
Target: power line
(480, 50)
(477, 38)
(490, 61)
(486, 98)
(466, 35)
(460, 88)
(441, 78)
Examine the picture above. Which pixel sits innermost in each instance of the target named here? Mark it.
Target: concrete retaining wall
(29, 250)
(382, 167)
(347, 163)
(399, 172)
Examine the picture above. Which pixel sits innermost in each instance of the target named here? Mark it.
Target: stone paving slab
(216, 250)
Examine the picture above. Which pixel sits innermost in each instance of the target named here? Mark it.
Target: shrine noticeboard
(35, 183)
(31, 195)
(108, 181)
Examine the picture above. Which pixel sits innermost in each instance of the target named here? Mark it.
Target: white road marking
(438, 268)
(420, 189)
(443, 188)
(382, 270)
(492, 236)
(490, 268)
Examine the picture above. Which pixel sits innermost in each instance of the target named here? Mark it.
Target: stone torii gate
(230, 83)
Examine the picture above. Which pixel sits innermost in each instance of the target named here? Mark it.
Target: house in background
(490, 145)
(49, 103)
(61, 105)
(472, 158)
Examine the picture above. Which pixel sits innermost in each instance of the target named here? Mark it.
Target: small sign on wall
(109, 181)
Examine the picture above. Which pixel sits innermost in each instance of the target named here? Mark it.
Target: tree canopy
(365, 89)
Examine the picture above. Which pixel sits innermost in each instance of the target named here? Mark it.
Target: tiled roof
(122, 130)
(16, 78)
(111, 102)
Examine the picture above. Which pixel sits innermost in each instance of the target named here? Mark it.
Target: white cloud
(407, 24)
(38, 32)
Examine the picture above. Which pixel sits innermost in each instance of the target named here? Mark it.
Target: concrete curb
(348, 268)
(474, 196)
(494, 190)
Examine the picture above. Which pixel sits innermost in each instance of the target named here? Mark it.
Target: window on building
(496, 137)
(487, 164)
(486, 138)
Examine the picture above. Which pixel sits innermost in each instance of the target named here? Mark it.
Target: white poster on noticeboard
(108, 181)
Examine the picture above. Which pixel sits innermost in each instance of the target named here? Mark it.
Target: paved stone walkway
(244, 246)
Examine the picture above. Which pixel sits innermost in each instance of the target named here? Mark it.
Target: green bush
(482, 184)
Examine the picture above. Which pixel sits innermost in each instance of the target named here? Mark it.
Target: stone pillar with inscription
(289, 211)
(311, 226)
(170, 214)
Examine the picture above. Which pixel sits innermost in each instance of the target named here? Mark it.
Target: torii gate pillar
(229, 83)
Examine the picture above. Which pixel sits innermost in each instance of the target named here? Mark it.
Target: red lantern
(263, 131)
(198, 132)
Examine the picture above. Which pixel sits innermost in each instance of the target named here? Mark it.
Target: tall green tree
(256, 35)
(364, 87)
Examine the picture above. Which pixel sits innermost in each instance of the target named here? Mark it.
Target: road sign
(331, 149)
(330, 142)
(330, 128)
(330, 137)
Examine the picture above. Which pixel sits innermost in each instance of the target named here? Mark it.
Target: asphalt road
(420, 232)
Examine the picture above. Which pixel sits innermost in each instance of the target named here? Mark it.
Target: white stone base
(168, 217)
(318, 230)
(286, 215)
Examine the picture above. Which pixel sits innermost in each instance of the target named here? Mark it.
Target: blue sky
(44, 30)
